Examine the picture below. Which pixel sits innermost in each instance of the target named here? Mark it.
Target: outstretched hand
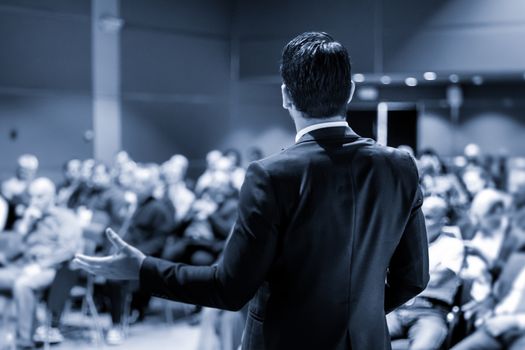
(124, 264)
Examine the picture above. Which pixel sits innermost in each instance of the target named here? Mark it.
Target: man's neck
(302, 122)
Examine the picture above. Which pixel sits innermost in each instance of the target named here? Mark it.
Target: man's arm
(222, 220)
(246, 260)
(408, 270)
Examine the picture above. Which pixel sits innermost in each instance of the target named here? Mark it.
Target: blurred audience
(500, 317)
(424, 318)
(481, 200)
(474, 209)
(14, 190)
(47, 236)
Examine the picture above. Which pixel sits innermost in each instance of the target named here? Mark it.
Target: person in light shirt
(423, 318)
(213, 157)
(487, 251)
(174, 173)
(500, 318)
(51, 235)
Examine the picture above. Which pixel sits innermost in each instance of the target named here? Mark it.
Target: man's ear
(352, 90)
(287, 101)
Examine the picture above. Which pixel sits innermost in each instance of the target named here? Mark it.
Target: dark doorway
(402, 127)
(402, 123)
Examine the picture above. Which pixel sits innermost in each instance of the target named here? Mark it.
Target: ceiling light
(385, 79)
(411, 81)
(359, 78)
(430, 76)
(453, 78)
(477, 80)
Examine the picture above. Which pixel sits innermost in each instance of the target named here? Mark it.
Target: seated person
(237, 172)
(517, 191)
(500, 318)
(489, 249)
(423, 318)
(212, 159)
(71, 171)
(14, 190)
(147, 227)
(81, 192)
(211, 219)
(177, 193)
(96, 200)
(51, 236)
(152, 219)
(476, 179)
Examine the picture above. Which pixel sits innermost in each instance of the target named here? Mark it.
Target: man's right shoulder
(399, 159)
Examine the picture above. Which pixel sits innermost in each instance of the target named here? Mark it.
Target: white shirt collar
(318, 126)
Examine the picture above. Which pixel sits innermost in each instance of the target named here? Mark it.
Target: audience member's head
(145, 181)
(27, 167)
(473, 154)
(220, 188)
(86, 171)
(475, 180)
(126, 174)
(316, 74)
(234, 155)
(72, 170)
(430, 163)
(488, 210)
(181, 161)
(211, 159)
(121, 157)
(225, 165)
(435, 211)
(42, 194)
(174, 170)
(100, 179)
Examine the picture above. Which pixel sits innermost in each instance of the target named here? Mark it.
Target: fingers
(115, 239)
(78, 264)
(94, 265)
(94, 260)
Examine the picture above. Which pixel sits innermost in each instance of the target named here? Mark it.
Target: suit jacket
(329, 237)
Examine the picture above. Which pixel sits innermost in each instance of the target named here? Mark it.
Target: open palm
(124, 264)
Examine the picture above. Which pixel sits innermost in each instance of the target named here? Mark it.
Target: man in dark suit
(329, 235)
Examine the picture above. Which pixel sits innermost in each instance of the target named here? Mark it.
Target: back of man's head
(316, 70)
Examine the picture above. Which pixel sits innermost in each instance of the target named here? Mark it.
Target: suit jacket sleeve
(408, 273)
(246, 260)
